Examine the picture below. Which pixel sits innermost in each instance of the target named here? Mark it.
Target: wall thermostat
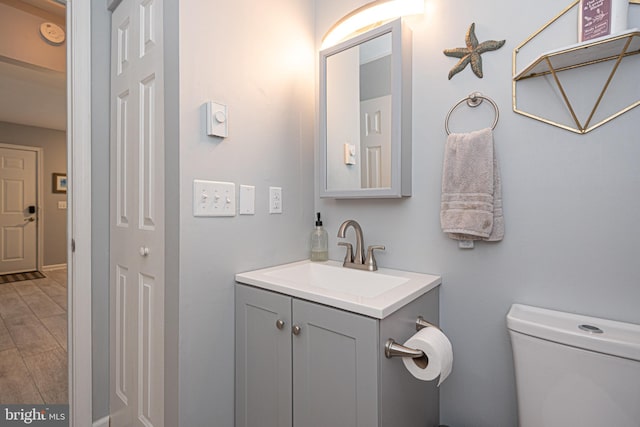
(217, 119)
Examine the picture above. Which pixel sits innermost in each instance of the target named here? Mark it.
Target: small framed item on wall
(59, 183)
(599, 18)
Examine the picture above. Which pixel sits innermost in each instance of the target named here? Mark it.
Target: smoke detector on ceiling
(52, 33)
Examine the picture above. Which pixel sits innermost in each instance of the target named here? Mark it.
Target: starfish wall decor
(471, 53)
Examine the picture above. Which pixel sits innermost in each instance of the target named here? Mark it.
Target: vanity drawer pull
(279, 323)
(296, 330)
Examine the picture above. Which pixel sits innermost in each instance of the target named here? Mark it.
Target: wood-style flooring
(33, 340)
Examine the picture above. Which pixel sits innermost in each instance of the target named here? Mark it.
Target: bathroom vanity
(310, 347)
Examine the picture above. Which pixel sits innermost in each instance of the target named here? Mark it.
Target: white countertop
(372, 293)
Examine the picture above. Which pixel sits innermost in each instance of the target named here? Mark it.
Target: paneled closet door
(137, 215)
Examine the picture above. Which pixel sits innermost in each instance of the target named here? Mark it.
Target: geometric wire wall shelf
(610, 48)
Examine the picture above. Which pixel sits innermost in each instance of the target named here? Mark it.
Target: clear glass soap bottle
(319, 242)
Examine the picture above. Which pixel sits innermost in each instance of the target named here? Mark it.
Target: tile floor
(33, 340)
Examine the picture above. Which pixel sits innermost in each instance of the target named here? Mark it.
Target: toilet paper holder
(393, 349)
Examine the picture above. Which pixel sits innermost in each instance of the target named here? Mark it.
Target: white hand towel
(471, 202)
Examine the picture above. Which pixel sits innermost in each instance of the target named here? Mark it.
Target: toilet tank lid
(617, 338)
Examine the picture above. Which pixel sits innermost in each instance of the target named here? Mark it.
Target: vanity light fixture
(370, 16)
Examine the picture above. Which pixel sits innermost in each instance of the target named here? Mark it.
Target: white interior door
(375, 142)
(18, 227)
(137, 215)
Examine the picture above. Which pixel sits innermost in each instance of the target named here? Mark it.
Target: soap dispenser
(319, 242)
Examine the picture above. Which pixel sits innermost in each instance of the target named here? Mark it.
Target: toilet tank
(573, 370)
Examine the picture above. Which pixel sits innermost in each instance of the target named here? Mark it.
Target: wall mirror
(365, 115)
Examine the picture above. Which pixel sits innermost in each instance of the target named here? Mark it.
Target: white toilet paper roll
(438, 352)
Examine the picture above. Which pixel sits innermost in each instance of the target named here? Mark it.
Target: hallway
(33, 340)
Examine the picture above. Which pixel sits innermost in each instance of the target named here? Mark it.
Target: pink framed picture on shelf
(599, 18)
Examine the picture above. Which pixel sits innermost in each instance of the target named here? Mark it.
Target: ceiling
(51, 6)
(33, 96)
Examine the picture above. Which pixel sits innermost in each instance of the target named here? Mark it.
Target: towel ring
(473, 101)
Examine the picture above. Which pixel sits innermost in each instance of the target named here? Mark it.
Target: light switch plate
(214, 198)
(275, 200)
(349, 154)
(247, 200)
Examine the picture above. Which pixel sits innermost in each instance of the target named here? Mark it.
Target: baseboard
(102, 422)
(54, 267)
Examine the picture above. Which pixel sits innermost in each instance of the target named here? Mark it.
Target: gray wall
(258, 58)
(570, 202)
(100, 53)
(568, 198)
(172, 213)
(54, 152)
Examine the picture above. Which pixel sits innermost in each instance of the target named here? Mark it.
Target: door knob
(144, 251)
(279, 323)
(30, 219)
(296, 330)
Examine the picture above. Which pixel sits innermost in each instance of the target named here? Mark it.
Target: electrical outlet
(275, 200)
(213, 198)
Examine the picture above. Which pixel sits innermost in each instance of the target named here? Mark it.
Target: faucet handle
(348, 257)
(371, 259)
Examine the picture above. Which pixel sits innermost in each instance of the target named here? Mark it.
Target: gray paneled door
(323, 374)
(263, 358)
(137, 215)
(335, 368)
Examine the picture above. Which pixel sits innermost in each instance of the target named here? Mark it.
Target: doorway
(19, 219)
(33, 309)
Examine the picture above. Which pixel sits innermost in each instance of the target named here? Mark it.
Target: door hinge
(73, 245)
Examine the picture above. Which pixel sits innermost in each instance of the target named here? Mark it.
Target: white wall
(343, 112)
(571, 203)
(258, 58)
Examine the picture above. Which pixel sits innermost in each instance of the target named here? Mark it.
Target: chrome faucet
(357, 260)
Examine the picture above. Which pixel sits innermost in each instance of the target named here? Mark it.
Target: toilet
(573, 370)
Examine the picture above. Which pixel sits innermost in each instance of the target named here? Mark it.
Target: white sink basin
(376, 294)
(329, 277)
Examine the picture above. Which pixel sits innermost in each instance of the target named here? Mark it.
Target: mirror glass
(365, 115)
(358, 116)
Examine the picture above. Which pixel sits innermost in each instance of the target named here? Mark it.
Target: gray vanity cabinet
(329, 372)
(323, 375)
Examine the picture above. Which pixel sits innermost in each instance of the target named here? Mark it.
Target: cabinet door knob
(144, 251)
(279, 323)
(296, 330)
